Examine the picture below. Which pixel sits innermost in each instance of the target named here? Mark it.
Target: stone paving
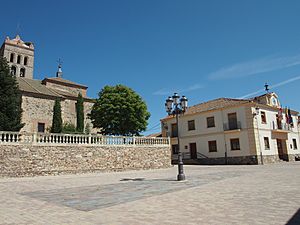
(268, 194)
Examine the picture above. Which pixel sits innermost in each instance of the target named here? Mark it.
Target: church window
(12, 57)
(41, 127)
(13, 70)
(19, 59)
(25, 61)
(22, 72)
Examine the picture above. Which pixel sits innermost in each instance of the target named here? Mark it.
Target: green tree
(80, 114)
(56, 120)
(119, 111)
(10, 100)
(69, 128)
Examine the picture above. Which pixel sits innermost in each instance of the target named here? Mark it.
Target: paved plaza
(268, 194)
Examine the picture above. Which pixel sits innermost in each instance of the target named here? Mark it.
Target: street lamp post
(176, 106)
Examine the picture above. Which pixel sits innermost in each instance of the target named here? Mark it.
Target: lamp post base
(180, 177)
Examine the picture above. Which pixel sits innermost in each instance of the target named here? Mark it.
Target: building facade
(236, 131)
(38, 96)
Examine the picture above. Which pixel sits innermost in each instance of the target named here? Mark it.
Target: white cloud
(168, 92)
(262, 65)
(272, 87)
(163, 91)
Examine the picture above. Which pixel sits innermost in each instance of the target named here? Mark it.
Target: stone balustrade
(77, 139)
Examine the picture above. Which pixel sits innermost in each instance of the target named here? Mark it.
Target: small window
(13, 70)
(22, 72)
(12, 57)
(295, 143)
(210, 121)
(191, 125)
(267, 144)
(41, 127)
(19, 59)
(235, 144)
(174, 130)
(212, 146)
(263, 117)
(175, 149)
(25, 61)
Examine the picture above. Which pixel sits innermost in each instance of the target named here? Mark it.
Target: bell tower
(20, 56)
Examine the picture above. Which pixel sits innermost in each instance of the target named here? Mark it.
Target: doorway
(281, 150)
(193, 150)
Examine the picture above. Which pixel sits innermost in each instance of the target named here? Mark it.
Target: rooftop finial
(59, 70)
(267, 88)
(18, 30)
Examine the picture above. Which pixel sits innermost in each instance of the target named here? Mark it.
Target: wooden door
(280, 149)
(193, 150)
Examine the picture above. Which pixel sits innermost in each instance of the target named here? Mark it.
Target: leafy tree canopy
(119, 111)
(10, 100)
(69, 128)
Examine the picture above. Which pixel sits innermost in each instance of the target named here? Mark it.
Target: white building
(236, 131)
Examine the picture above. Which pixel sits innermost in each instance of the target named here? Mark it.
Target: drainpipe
(226, 159)
(256, 117)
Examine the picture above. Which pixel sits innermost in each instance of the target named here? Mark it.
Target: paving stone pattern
(267, 194)
(96, 197)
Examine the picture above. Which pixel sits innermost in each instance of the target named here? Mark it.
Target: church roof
(59, 80)
(35, 87)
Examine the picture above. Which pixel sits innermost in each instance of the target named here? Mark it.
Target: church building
(38, 96)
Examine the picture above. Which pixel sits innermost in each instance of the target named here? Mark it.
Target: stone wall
(36, 110)
(40, 110)
(32, 160)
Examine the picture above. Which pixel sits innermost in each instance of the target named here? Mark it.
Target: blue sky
(201, 49)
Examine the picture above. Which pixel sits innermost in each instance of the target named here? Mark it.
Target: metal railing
(76, 139)
(187, 155)
(281, 126)
(232, 126)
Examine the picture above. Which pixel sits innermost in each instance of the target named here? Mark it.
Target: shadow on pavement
(143, 179)
(295, 220)
(132, 179)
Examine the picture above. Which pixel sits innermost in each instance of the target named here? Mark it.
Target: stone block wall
(40, 110)
(33, 160)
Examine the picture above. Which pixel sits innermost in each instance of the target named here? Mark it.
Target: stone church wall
(36, 110)
(33, 160)
(40, 110)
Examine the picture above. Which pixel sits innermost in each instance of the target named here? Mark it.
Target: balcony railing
(280, 126)
(232, 126)
(75, 139)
